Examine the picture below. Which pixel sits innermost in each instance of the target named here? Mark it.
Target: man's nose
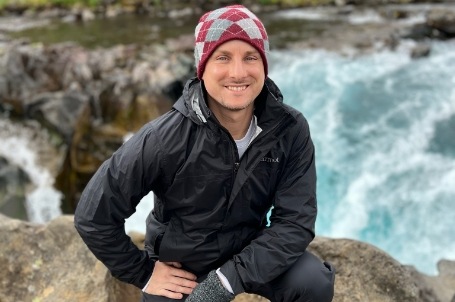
(237, 69)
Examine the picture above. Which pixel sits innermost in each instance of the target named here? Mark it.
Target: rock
(420, 50)
(51, 263)
(60, 112)
(250, 298)
(444, 283)
(439, 25)
(366, 273)
(446, 268)
(418, 32)
(13, 183)
(442, 20)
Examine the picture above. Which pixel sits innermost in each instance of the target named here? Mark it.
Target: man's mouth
(237, 88)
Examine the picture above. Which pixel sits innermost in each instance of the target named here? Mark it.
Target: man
(228, 152)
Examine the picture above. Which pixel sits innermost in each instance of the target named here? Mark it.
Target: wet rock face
(89, 100)
(439, 24)
(60, 112)
(443, 21)
(13, 184)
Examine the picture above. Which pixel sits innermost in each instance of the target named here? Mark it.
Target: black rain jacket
(210, 207)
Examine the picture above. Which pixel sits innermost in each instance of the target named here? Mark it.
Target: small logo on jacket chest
(270, 160)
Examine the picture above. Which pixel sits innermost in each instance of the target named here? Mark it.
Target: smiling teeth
(236, 88)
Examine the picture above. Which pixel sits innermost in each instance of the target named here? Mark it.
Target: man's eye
(222, 58)
(251, 58)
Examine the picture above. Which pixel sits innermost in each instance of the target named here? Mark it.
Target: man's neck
(236, 122)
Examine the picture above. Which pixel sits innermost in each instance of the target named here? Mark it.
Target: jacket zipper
(234, 151)
(235, 156)
(236, 167)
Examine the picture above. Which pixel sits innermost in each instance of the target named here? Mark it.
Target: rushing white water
(384, 130)
(43, 200)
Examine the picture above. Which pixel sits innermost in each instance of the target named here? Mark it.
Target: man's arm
(292, 222)
(110, 197)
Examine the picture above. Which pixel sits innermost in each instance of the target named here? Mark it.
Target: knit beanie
(225, 24)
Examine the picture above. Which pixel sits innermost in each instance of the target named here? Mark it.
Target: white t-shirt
(243, 143)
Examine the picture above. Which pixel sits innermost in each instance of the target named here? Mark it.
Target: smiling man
(227, 153)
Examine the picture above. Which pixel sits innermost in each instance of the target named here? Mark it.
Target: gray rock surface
(51, 263)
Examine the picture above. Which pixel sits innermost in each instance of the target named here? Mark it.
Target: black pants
(309, 280)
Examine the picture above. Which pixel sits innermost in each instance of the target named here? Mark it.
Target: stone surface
(442, 20)
(444, 283)
(51, 263)
(366, 273)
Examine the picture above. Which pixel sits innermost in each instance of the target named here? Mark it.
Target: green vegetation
(35, 4)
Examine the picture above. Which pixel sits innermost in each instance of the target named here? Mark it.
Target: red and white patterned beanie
(225, 24)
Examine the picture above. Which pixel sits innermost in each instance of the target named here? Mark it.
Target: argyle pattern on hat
(225, 24)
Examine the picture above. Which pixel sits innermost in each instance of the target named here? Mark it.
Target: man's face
(233, 76)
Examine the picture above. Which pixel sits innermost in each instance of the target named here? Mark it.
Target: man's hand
(169, 280)
(209, 290)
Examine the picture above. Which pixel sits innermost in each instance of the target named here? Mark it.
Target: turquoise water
(384, 131)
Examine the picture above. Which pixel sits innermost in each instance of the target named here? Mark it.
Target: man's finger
(179, 289)
(170, 294)
(183, 274)
(174, 264)
(185, 282)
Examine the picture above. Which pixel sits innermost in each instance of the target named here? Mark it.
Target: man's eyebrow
(226, 52)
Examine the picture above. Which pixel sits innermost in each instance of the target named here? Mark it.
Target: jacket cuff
(143, 278)
(228, 269)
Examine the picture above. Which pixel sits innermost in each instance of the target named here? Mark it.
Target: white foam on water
(365, 17)
(43, 201)
(389, 189)
(313, 14)
(136, 222)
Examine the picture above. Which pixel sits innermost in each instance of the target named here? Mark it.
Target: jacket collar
(268, 105)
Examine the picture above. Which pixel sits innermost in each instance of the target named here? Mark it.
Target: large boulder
(51, 263)
(366, 273)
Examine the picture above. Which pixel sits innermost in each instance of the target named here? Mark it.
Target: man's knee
(321, 288)
(310, 280)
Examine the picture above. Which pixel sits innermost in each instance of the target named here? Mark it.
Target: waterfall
(43, 200)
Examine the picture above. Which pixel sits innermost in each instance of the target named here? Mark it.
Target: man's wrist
(146, 285)
(224, 281)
